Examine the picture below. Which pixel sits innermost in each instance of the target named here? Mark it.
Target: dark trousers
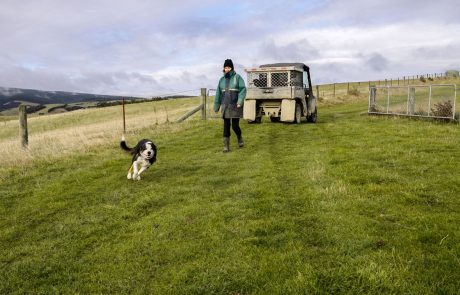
(235, 123)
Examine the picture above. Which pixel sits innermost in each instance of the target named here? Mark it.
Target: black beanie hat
(228, 63)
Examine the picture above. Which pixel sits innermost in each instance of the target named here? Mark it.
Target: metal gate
(427, 101)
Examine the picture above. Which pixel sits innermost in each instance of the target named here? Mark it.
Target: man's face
(227, 69)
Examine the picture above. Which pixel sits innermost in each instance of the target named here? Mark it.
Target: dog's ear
(153, 159)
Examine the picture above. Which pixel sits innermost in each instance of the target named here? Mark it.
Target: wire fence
(428, 101)
(175, 94)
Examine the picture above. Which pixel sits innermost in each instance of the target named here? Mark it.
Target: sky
(150, 48)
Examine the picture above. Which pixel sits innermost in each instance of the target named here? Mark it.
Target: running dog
(144, 155)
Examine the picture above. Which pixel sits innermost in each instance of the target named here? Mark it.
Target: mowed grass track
(352, 204)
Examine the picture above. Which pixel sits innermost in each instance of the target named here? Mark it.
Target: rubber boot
(226, 144)
(240, 141)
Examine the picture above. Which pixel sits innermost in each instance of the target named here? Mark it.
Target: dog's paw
(129, 176)
(138, 177)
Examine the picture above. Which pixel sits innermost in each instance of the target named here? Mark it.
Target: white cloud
(148, 47)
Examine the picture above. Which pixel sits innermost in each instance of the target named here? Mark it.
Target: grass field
(352, 204)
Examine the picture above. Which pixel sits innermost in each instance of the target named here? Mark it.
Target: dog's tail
(124, 146)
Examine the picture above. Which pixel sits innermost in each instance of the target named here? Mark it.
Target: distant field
(352, 204)
(79, 130)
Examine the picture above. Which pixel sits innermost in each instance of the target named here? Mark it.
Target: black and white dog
(144, 155)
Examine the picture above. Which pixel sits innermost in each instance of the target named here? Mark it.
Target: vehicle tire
(298, 113)
(312, 118)
(275, 119)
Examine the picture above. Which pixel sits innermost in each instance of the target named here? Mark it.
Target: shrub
(34, 109)
(422, 79)
(442, 109)
(354, 91)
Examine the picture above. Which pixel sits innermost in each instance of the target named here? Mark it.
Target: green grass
(352, 204)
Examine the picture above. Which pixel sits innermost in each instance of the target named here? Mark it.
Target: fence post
(124, 117)
(203, 102)
(317, 91)
(348, 88)
(23, 126)
(372, 96)
(411, 100)
(334, 91)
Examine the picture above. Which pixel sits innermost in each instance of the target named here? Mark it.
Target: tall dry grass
(55, 136)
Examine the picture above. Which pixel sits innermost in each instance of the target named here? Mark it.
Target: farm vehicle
(282, 91)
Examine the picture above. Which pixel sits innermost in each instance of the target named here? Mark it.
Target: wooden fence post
(348, 88)
(411, 109)
(317, 91)
(372, 97)
(23, 126)
(203, 102)
(334, 90)
(124, 117)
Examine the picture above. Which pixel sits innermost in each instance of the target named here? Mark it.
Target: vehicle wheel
(313, 116)
(298, 113)
(275, 119)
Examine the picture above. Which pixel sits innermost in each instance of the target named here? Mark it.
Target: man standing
(230, 95)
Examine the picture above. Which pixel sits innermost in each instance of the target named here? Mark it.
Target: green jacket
(237, 90)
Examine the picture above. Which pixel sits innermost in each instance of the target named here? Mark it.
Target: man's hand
(238, 106)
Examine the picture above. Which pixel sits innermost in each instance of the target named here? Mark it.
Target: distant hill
(12, 97)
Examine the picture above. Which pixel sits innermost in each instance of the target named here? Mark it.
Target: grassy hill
(352, 204)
